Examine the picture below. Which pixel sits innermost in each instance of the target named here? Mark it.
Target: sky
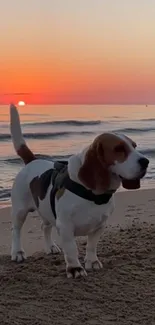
(77, 51)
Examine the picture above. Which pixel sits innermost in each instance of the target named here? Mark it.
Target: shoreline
(5, 193)
(144, 187)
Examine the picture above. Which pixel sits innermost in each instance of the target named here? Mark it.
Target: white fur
(75, 215)
(15, 128)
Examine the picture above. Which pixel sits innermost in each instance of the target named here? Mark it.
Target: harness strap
(81, 191)
(60, 178)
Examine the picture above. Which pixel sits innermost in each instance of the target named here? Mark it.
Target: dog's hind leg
(18, 218)
(50, 245)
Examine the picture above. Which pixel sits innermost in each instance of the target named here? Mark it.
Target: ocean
(58, 131)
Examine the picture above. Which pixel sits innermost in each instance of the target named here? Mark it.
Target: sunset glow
(21, 103)
(92, 51)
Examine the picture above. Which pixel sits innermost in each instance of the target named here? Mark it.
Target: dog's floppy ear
(94, 173)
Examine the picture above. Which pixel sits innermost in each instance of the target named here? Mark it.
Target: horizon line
(85, 103)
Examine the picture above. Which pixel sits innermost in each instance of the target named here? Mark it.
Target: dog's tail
(18, 141)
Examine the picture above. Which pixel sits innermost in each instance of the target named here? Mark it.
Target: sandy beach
(123, 292)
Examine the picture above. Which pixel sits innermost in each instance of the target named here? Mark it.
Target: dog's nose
(143, 162)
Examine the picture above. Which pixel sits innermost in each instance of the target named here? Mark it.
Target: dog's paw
(18, 257)
(75, 272)
(95, 265)
(54, 249)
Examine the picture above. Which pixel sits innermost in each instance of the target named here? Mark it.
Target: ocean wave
(148, 152)
(49, 135)
(5, 194)
(135, 130)
(18, 161)
(64, 122)
(147, 119)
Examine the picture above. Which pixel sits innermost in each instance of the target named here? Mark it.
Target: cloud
(17, 94)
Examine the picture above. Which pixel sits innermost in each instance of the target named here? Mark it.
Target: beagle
(98, 170)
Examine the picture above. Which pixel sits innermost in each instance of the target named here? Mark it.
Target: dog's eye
(120, 149)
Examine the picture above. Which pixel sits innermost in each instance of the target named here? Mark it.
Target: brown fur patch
(35, 190)
(104, 151)
(39, 186)
(26, 154)
(114, 148)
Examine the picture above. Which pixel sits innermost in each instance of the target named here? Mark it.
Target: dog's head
(112, 154)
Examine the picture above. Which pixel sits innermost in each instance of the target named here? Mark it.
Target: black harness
(61, 179)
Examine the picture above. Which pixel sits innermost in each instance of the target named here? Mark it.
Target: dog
(82, 203)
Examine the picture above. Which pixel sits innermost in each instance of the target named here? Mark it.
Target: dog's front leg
(91, 259)
(74, 268)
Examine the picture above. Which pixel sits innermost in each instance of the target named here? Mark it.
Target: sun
(21, 103)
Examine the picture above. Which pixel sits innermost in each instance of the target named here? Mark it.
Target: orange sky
(91, 51)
